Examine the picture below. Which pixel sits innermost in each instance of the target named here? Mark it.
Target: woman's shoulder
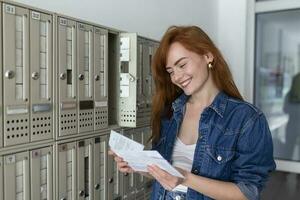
(243, 105)
(242, 109)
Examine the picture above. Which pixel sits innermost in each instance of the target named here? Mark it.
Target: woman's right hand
(122, 165)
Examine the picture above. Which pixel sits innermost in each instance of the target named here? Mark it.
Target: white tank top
(182, 157)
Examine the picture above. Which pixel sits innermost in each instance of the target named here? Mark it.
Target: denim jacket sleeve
(254, 157)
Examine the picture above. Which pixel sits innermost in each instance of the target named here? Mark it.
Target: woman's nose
(177, 75)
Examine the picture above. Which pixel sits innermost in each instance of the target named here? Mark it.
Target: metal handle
(97, 77)
(110, 180)
(62, 76)
(81, 193)
(131, 77)
(9, 74)
(97, 186)
(35, 75)
(81, 77)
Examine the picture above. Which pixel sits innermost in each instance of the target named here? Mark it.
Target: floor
(282, 186)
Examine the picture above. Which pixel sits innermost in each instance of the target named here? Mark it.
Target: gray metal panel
(148, 75)
(140, 194)
(1, 178)
(100, 117)
(16, 176)
(41, 174)
(148, 190)
(135, 80)
(128, 76)
(138, 136)
(147, 132)
(144, 110)
(146, 68)
(41, 66)
(114, 180)
(156, 45)
(85, 75)
(140, 63)
(67, 62)
(101, 168)
(129, 180)
(67, 171)
(97, 168)
(100, 78)
(85, 169)
(16, 74)
(1, 95)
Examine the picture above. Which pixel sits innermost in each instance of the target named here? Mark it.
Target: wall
(232, 16)
(223, 20)
(148, 18)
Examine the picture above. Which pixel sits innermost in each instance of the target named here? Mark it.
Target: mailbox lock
(35, 75)
(62, 76)
(81, 193)
(97, 186)
(9, 74)
(81, 77)
(97, 77)
(110, 180)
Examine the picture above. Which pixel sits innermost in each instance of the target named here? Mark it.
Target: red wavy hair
(196, 40)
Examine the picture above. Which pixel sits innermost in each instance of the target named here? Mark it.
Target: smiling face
(187, 69)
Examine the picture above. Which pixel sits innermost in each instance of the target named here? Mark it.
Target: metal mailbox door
(100, 78)
(128, 80)
(140, 67)
(101, 168)
(1, 94)
(1, 178)
(85, 170)
(67, 171)
(114, 180)
(129, 179)
(41, 174)
(139, 179)
(16, 74)
(85, 81)
(16, 176)
(67, 63)
(41, 66)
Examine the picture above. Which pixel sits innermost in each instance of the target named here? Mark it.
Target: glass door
(277, 79)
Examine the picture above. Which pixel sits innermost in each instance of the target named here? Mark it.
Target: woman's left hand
(168, 181)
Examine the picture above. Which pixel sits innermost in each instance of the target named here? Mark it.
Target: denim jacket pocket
(220, 155)
(220, 159)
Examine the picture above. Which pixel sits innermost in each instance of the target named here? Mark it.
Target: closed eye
(182, 65)
(170, 72)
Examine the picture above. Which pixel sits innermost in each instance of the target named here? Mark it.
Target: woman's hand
(168, 181)
(121, 164)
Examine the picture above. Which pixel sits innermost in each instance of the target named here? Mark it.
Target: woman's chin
(187, 92)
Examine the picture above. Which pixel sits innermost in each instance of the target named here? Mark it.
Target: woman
(201, 125)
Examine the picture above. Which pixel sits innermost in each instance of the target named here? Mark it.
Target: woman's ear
(209, 57)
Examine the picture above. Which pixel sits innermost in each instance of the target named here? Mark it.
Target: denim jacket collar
(218, 105)
(179, 103)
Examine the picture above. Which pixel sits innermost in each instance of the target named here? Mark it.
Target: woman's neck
(204, 97)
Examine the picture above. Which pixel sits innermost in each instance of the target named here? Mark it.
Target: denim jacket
(234, 144)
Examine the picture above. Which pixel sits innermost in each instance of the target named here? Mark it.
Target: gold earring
(209, 65)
